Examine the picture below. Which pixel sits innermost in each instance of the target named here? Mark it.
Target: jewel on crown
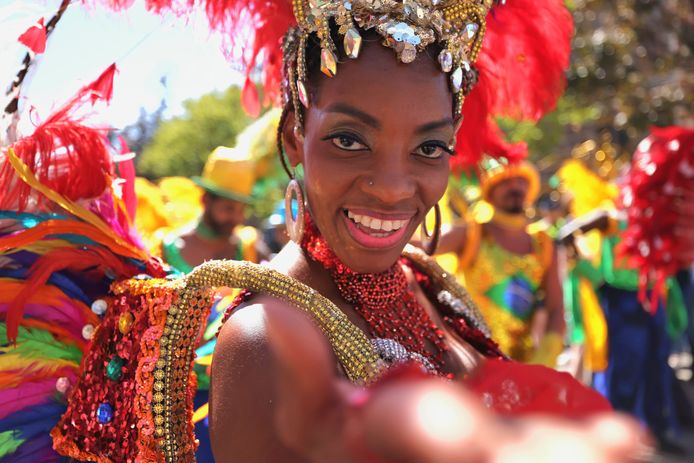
(406, 26)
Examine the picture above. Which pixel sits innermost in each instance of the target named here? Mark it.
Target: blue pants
(638, 379)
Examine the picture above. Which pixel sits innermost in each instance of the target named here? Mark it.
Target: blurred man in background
(510, 272)
(227, 180)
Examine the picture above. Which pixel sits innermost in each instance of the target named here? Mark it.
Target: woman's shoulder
(246, 328)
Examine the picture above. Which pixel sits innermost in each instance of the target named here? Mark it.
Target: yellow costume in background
(504, 286)
(586, 322)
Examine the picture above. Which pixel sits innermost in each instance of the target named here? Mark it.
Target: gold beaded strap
(351, 345)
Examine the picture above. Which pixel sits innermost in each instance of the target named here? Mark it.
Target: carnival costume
(642, 314)
(505, 285)
(65, 237)
(133, 401)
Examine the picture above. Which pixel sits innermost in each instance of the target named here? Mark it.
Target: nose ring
(371, 183)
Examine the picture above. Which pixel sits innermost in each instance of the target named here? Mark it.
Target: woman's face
(375, 154)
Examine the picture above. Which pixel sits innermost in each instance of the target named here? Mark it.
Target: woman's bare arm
(243, 394)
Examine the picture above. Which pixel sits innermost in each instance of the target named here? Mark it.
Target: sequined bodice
(505, 287)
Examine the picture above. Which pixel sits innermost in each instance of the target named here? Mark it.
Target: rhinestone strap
(351, 345)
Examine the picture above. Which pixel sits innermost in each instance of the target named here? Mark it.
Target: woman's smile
(373, 229)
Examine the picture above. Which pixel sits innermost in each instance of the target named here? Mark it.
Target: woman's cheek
(436, 186)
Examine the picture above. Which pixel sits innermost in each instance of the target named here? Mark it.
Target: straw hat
(229, 173)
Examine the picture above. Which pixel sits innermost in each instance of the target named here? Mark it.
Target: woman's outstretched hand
(325, 418)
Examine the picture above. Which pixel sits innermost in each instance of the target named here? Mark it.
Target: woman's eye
(433, 150)
(348, 143)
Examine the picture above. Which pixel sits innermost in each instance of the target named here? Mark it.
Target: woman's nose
(391, 181)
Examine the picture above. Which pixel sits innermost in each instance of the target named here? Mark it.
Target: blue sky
(145, 47)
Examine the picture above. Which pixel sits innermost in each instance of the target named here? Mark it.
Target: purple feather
(38, 450)
(33, 421)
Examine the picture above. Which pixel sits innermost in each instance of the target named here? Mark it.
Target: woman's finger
(428, 421)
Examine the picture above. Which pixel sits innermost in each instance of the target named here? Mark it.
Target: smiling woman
(375, 158)
(351, 346)
(375, 137)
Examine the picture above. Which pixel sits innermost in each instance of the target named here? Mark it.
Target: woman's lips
(376, 230)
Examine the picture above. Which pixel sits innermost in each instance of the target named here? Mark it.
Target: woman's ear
(293, 140)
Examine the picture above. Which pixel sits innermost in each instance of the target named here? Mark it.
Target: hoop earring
(430, 241)
(295, 227)
(299, 133)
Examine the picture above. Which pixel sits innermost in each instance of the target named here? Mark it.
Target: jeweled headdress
(407, 26)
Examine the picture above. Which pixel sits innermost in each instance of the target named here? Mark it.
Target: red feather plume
(63, 154)
(524, 55)
(102, 87)
(662, 167)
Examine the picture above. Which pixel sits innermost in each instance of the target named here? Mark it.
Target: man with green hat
(227, 180)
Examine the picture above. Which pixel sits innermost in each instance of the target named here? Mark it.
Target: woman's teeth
(377, 224)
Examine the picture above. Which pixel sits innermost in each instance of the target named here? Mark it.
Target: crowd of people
(368, 318)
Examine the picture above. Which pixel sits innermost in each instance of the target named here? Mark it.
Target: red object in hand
(35, 37)
(516, 389)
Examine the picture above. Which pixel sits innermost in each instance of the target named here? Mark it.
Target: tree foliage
(630, 69)
(181, 144)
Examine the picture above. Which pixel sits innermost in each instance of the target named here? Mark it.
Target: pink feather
(66, 315)
(29, 394)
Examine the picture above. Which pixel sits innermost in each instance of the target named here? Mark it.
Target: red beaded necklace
(389, 307)
(384, 300)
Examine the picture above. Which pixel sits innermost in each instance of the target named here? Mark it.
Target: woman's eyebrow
(368, 119)
(429, 126)
(356, 113)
